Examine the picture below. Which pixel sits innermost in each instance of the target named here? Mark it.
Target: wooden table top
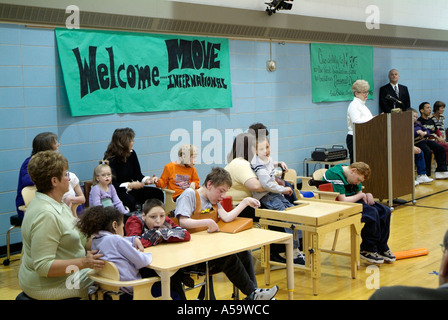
(204, 246)
(313, 212)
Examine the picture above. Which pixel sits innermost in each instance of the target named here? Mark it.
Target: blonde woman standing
(357, 111)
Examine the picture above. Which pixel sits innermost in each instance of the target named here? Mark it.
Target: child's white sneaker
(263, 294)
(423, 178)
(441, 175)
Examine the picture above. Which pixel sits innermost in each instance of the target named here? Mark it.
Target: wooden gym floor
(412, 226)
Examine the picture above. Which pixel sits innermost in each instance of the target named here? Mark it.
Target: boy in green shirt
(347, 180)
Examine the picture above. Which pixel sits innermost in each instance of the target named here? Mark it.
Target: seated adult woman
(54, 260)
(127, 178)
(244, 180)
(42, 142)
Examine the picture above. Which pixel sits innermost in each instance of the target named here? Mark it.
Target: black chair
(16, 222)
(28, 194)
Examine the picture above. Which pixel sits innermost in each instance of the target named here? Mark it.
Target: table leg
(315, 262)
(165, 278)
(354, 255)
(207, 282)
(266, 256)
(306, 247)
(290, 268)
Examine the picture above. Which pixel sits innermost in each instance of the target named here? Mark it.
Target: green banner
(334, 68)
(120, 72)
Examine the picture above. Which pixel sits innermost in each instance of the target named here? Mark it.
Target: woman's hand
(283, 165)
(135, 185)
(92, 260)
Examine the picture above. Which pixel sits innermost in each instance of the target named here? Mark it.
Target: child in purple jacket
(105, 226)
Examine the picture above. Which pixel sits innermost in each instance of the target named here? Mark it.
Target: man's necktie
(396, 91)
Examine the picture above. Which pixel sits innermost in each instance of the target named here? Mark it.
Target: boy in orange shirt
(181, 174)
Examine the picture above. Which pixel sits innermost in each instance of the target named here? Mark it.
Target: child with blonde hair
(103, 192)
(181, 174)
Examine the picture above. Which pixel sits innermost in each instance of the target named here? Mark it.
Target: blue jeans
(420, 163)
(275, 201)
(375, 232)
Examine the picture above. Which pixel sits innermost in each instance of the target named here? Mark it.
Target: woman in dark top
(127, 178)
(42, 142)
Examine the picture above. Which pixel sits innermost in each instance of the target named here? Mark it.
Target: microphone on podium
(389, 97)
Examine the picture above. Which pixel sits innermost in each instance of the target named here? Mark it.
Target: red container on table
(227, 203)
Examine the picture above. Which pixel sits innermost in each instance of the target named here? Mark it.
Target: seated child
(154, 226)
(103, 192)
(181, 174)
(273, 197)
(74, 196)
(105, 225)
(421, 167)
(261, 132)
(347, 180)
(263, 166)
(237, 267)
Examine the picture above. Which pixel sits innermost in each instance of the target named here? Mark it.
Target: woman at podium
(357, 111)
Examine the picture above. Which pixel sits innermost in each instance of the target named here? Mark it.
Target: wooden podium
(386, 144)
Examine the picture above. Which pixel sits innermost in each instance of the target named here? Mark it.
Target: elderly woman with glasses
(357, 111)
(54, 260)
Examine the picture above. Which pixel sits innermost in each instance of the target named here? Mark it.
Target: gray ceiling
(195, 19)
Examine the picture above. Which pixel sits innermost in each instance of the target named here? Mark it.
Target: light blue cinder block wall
(33, 100)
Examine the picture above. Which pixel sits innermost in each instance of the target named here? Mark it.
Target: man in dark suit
(396, 91)
(419, 293)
